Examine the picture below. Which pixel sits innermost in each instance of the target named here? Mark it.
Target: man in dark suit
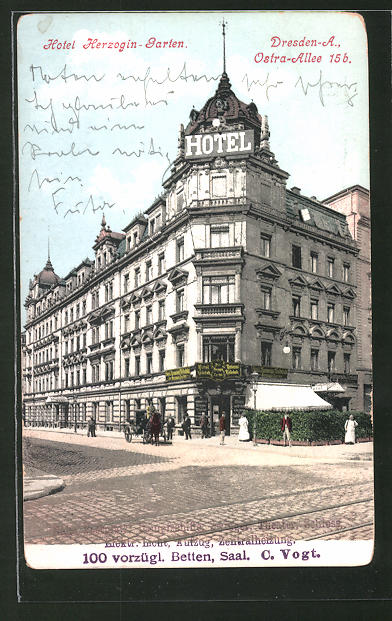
(286, 427)
(186, 425)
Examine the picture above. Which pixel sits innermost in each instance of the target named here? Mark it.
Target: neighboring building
(354, 203)
(223, 274)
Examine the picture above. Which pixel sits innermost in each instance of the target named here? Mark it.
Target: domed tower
(224, 155)
(39, 285)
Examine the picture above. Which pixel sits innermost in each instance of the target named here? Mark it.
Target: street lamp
(75, 423)
(254, 378)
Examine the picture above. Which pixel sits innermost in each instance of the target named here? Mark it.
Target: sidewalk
(362, 451)
(41, 485)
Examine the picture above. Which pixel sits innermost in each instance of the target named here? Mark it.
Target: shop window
(218, 348)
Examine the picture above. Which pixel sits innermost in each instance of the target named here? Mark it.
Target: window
(77, 343)
(180, 250)
(95, 372)
(95, 335)
(162, 359)
(83, 308)
(108, 292)
(266, 299)
(148, 315)
(109, 411)
(137, 277)
(77, 378)
(265, 245)
(148, 270)
(331, 361)
(346, 315)
(149, 363)
(346, 359)
(135, 238)
(84, 340)
(126, 282)
(109, 368)
(94, 300)
(296, 305)
(137, 365)
(109, 330)
(218, 348)
(314, 359)
(161, 263)
(95, 410)
(84, 376)
(331, 312)
(330, 266)
(296, 260)
(65, 318)
(77, 311)
(296, 357)
(126, 370)
(219, 236)
(137, 320)
(346, 272)
(65, 348)
(71, 315)
(161, 310)
(314, 308)
(152, 227)
(66, 380)
(180, 354)
(314, 262)
(179, 300)
(266, 354)
(218, 289)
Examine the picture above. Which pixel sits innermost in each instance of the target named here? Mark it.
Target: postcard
(195, 276)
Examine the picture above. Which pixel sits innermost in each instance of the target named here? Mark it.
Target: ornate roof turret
(47, 276)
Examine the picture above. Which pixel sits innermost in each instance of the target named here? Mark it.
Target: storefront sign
(218, 370)
(201, 145)
(176, 375)
(271, 372)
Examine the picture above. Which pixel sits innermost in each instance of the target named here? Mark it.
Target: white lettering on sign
(200, 145)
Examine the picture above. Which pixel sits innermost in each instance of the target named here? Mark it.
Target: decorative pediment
(348, 337)
(136, 341)
(178, 276)
(333, 290)
(125, 343)
(317, 285)
(316, 332)
(298, 330)
(160, 334)
(298, 281)
(147, 338)
(333, 335)
(349, 293)
(268, 272)
(108, 311)
(126, 302)
(146, 293)
(159, 287)
(135, 299)
(94, 317)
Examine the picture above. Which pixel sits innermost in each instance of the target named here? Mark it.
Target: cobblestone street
(133, 492)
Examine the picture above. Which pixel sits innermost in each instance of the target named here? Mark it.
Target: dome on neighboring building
(47, 277)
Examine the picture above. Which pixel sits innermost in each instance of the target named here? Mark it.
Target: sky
(98, 127)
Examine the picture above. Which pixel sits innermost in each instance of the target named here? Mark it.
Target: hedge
(316, 426)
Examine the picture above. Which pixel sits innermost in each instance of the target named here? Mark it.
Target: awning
(280, 397)
(331, 387)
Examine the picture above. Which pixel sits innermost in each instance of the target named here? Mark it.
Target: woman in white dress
(349, 427)
(243, 435)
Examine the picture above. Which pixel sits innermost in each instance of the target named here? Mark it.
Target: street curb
(40, 486)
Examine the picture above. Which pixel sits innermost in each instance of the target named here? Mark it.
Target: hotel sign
(219, 143)
(176, 375)
(218, 370)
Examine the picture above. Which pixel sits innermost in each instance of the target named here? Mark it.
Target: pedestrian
(222, 428)
(91, 427)
(286, 426)
(186, 425)
(243, 434)
(203, 425)
(170, 424)
(155, 426)
(349, 427)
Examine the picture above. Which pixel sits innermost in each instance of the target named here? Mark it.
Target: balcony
(217, 202)
(222, 312)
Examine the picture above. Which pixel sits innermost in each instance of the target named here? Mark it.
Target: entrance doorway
(219, 404)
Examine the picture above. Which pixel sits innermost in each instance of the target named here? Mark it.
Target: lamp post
(75, 422)
(254, 377)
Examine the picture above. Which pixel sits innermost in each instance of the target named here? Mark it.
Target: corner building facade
(224, 271)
